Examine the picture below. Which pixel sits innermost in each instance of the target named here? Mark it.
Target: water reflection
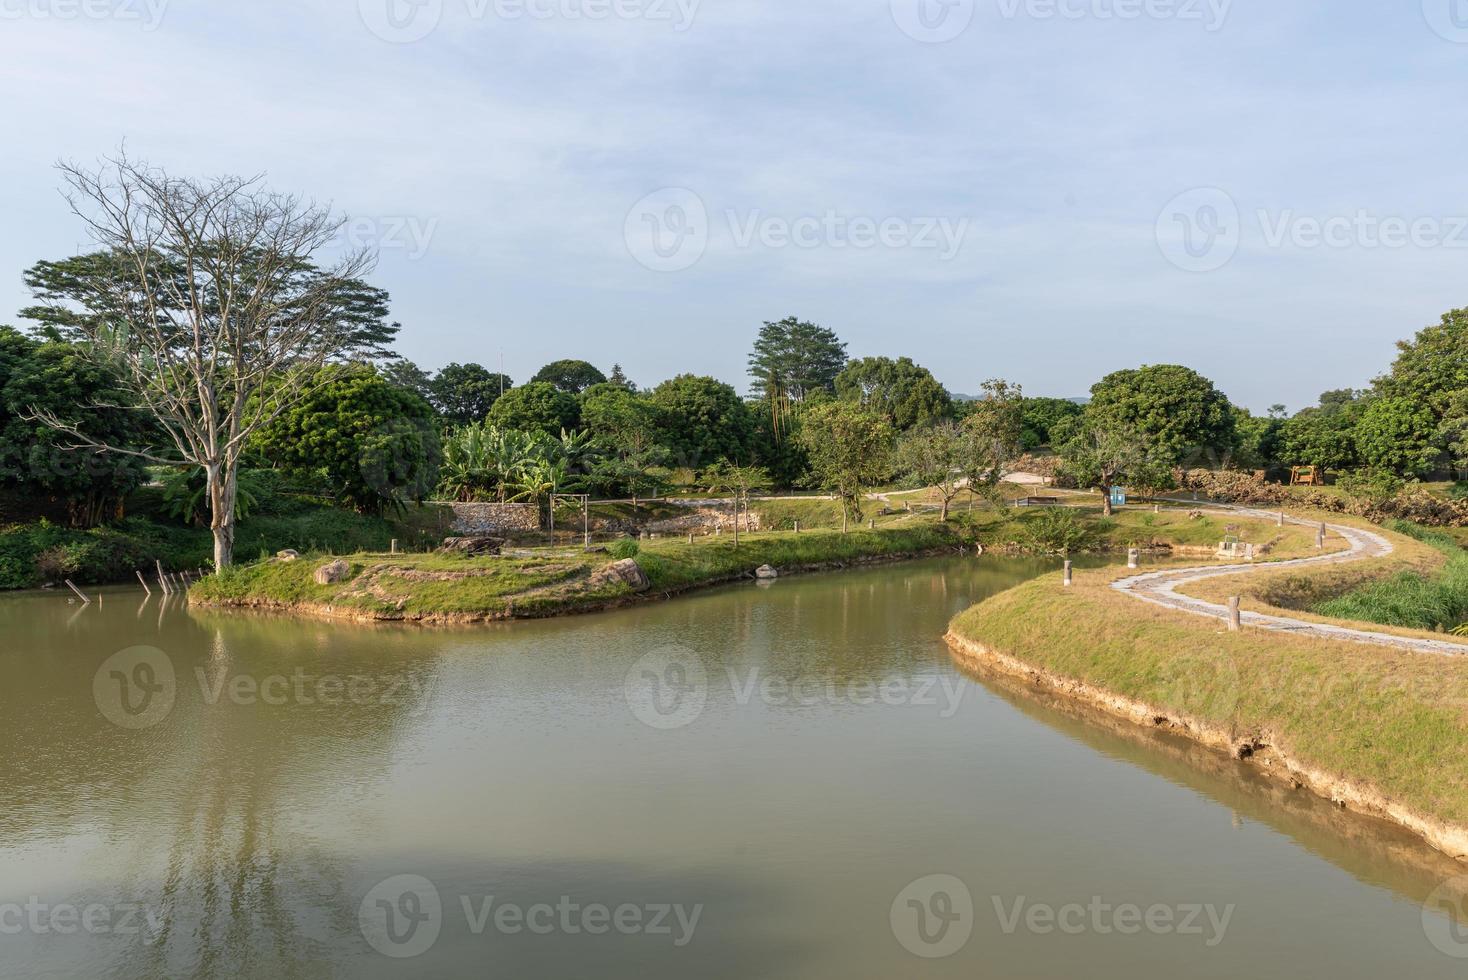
(508, 763)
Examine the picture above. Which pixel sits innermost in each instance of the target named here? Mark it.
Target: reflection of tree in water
(223, 815)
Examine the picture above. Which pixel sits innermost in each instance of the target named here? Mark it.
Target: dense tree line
(200, 338)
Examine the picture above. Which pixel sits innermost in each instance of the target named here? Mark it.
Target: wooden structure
(1306, 476)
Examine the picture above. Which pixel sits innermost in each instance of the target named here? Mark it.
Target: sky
(1041, 190)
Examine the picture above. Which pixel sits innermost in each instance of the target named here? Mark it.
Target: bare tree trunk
(945, 509)
(1106, 498)
(221, 486)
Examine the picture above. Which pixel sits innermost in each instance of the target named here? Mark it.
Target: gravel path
(1160, 588)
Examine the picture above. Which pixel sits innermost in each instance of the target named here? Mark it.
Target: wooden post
(1156, 508)
(162, 579)
(1131, 558)
(871, 523)
(1281, 518)
(690, 537)
(145, 583)
(1234, 619)
(392, 548)
(1320, 536)
(79, 593)
(797, 527)
(1067, 579)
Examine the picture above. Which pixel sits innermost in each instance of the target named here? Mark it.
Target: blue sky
(1043, 190)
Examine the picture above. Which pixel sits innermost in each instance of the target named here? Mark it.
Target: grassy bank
(1391, 724)
(542, 582)
(1432, 600)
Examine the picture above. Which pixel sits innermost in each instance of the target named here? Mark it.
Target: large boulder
(288, 554)
(332, 573)
(474, 545)
(766, 572)
(626, 571)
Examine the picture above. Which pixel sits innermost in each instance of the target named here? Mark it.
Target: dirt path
(1160, 588)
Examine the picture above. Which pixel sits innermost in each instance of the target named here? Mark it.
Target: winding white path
(1160, 588)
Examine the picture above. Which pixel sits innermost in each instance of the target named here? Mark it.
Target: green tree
(737, 481)
(1101, 453)
(701, 419)
(1258, 437)
(619, 379)
(1323, 435)
(793, 358)
(1453, 433)
(35, 459)
(936, 456)
(406, 375)
(994, 431)
(536, 407)
(572, 376)
(465, 393)
(850, 451)
(207, 297)
(906, 394)
(1398, 434)
(1432, 367)
(368, 442)
(1178, 412)
(1041, 415)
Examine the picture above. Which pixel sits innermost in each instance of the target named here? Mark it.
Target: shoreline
(1344, 792)
(572, 607)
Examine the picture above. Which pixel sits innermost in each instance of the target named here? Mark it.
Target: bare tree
(934, 457)
(994, 436)
(214, 315)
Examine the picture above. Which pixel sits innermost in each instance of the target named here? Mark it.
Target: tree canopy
(702, 420)
(904, 393)
(1179, 413)
(465, 393)
(794, 358)
(572, 376)
(536, 407)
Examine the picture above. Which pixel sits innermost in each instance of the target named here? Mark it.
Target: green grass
(548, 580)
(1411, 599)
(1394, 721)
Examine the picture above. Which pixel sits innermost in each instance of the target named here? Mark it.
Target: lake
(783, 780)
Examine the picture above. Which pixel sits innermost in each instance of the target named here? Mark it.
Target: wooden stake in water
(162, 579)
(1234, 618)
(145, 583)
(1067, 579)
(79, 593)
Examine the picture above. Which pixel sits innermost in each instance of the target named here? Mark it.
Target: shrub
(624, 548)
(1058, 531)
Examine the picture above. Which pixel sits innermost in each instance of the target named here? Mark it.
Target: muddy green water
(783, 781)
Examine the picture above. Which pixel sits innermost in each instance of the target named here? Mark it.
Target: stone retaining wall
(493, 518)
